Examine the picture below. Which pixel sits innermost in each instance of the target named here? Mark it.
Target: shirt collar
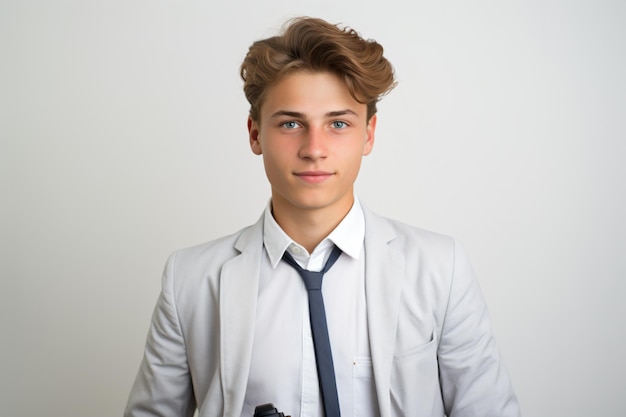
(348, 235)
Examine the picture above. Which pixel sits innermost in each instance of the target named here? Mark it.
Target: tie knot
(313, 280)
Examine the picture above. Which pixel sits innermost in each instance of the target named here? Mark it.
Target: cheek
(353, 165)
(273, 163)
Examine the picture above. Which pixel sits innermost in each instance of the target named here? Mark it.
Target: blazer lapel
(238, 300)
(384, 267)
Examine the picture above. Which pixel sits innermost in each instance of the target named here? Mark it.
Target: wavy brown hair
(316, 45)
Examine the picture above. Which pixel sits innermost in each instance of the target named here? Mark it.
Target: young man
(407, 326)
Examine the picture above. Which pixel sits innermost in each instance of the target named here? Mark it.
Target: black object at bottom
(267, 410)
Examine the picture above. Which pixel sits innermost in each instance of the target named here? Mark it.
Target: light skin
(312, 135)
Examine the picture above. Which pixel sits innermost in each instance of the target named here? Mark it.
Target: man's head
(317, 46)
(313, 93)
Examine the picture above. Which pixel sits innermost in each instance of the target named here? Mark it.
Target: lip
(313, 177)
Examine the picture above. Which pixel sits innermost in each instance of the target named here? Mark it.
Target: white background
(123, 138)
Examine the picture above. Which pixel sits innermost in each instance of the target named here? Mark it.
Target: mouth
(313, 177)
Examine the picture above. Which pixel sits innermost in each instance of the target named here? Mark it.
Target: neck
(308, 227)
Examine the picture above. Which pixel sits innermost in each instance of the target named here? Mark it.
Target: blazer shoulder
(418, 246)
(418, 233)
(207, 259)
(223, 246)
(399, 232)
(226, 246)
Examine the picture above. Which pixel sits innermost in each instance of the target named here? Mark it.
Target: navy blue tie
(321, 341)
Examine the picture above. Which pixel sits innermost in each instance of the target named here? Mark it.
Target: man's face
(312, 135)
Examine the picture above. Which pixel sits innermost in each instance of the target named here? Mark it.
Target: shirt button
(295, 250)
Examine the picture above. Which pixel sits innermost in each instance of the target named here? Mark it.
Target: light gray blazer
(433, 352)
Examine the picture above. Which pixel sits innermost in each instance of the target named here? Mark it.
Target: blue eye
(290, 125)
(338, 124)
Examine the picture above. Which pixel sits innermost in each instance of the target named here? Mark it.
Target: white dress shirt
(283, 369)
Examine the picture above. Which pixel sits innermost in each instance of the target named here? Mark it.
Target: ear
(253, 136)
(370, 131)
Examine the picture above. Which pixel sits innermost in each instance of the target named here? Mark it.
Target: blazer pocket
(425, 349)
(415, 389)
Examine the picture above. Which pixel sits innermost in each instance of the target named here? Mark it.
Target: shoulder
(207, 252)
(421, 249)
(400, 234)
(207, 259)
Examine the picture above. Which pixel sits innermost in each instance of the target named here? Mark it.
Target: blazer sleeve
(474, 380)
(163, 384)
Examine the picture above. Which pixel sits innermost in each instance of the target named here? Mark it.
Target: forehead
(310, 93)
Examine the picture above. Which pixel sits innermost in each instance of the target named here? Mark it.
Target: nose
(314, 145)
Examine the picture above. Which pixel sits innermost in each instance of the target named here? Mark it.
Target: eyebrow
(341, 113)
(280, 113)
(299, 115)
